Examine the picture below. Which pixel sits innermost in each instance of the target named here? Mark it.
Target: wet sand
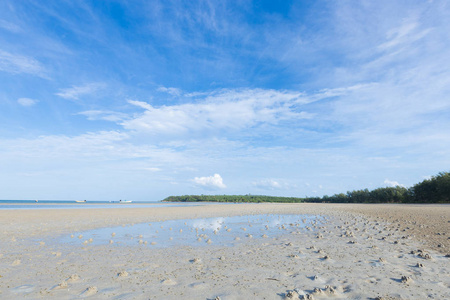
(360, 252)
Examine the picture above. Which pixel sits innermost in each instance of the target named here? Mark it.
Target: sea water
(196, 232)
(29, 204)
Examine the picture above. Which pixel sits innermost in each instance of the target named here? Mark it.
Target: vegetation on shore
(433, 190)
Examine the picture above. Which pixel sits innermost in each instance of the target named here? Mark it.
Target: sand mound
(122, 274)
(168, 281)
(73, 277)
(92, 290)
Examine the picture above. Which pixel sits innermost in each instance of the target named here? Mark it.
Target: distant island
(433, 190)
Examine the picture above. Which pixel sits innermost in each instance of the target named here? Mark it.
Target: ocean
(66, 204)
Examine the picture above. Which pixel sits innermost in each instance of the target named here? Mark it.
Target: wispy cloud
(223, 110)
(170, 90)
(210, 182)
(270, 184)
(17, 64)
(9, 26)
(27, 102)
(94, 115)
(75, 92)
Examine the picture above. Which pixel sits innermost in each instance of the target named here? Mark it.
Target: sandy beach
(353, 252)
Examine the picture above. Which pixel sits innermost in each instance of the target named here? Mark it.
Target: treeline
(232, 198)
(433, 190)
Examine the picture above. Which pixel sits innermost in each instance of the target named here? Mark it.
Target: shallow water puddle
(23, 289)
(195, 232)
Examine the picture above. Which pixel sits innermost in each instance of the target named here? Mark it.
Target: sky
(140, 100)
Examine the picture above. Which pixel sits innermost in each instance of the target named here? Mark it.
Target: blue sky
(139, 100)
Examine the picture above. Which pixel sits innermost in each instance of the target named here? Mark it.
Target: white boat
(80, 201)
(125, 201)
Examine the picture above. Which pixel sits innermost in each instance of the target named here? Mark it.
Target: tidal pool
(196, 232)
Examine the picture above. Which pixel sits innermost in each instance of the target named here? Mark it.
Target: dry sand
(360, 252)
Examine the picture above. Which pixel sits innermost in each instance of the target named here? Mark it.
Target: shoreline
(429, 226)
(359, 251)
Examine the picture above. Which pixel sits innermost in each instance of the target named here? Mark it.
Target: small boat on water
(125, 201)
(80, 201)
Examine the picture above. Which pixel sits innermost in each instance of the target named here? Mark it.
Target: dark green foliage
(232, 198)
(433, 190)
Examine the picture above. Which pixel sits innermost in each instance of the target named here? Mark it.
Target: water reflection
(196, 232)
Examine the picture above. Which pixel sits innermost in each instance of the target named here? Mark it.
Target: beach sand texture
(358, 252)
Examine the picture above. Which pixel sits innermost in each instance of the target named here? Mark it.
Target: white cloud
(27, 102)
(213, 182)
(404, 35)
(170, 90)
(272, 184)
(105, 115)
(76, 91)
(392, 183)
(141, 104)
(223, 110)
(16, 64)
(268, 184)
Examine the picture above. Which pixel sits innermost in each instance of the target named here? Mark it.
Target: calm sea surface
(47, 204)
